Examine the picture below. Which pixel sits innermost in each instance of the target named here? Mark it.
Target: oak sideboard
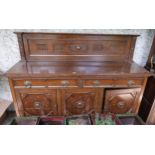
(69, 74)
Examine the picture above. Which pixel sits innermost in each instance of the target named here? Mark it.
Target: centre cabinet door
(36, 102)
(81, 101)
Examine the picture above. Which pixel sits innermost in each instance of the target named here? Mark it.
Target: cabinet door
(81, 101)
(121, 101)
(37, 102)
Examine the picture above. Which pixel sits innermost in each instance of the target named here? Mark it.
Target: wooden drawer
(45, 83)
(114, 83)
(129, 82)
(99, 83)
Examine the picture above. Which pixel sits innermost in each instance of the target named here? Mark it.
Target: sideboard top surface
(57, 69)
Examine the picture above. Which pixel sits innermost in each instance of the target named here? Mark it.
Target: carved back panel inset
(77, 47)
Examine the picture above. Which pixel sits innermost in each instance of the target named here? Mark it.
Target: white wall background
(9, 50)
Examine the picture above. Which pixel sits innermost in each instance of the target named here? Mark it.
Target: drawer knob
(27, 84)
(96, 83)
(131, 82)
(64, 83)
(120, 104)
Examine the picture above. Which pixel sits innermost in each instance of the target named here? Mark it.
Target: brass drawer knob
(120, 105)
(131, 82)
(64, 83)
(96, 83)
(27, 84)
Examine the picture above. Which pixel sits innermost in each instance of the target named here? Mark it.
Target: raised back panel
(77, 47)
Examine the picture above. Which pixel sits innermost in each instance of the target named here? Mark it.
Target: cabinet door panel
(37, 102)
(121, 101)
(81, 101)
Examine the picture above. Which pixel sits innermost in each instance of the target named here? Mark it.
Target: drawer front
(45, 83)
(129, 82)
(28, 83)
(114, 83)
(99, 83)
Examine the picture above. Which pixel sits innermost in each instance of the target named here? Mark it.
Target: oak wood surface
(74, 69)
(76, 47)
(122, 101)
